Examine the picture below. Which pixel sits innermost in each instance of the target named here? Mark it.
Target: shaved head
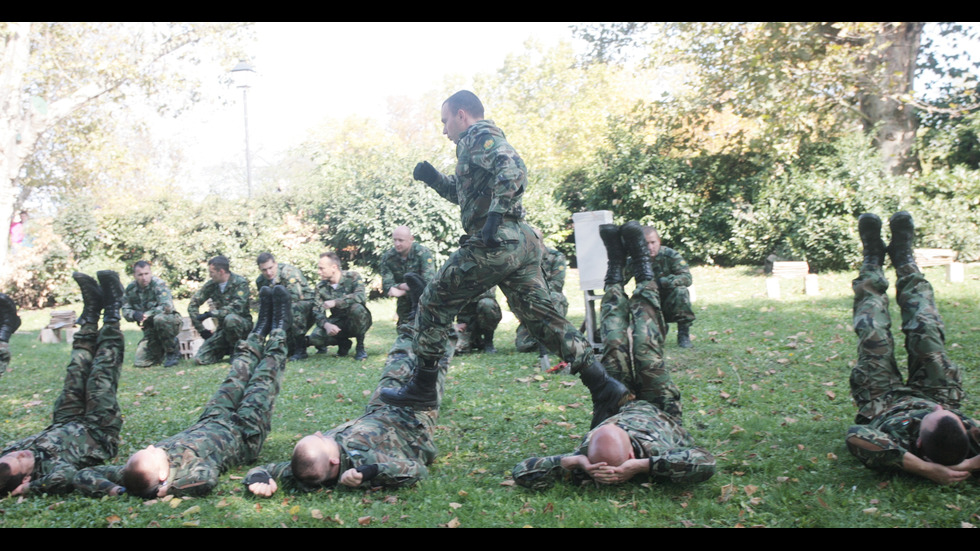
(611, 445)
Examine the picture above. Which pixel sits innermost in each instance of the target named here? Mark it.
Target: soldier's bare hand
(263, 489)
(351, 478)
(331, 329)
(22, 488)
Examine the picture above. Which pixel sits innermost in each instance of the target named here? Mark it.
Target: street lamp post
(243, 74)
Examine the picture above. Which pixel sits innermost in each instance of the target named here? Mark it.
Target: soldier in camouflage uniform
(673, 278)
(84, 429)
(9, 322)
(640, 439)
(500, 249)
(387, 446)
(230, 431)
(342, 293)
(910, 426)
(553, 267)
(476, 323)
(230, 309)
(406, 256)
(149, 304)
(301, 297)
(637, 362)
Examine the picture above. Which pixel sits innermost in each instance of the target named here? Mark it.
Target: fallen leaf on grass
(364, 521)
(454, 523)
(727, 491)
(736, 429)
(191, 511)
(112, 519)
(870, 511)
(455, 505)
(830, 394)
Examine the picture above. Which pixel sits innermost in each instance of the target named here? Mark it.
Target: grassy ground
(765, 389)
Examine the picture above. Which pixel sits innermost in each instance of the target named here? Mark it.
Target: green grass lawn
(765, 389)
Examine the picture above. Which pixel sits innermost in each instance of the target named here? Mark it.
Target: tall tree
(798, 81)
(50, 71)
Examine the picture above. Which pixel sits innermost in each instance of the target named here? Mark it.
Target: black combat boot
(359, 353)
(112, 295)
(299, 348)
(900, 248)
(343, 347)
(488, 347)
(282, 311)
(420, 392)
(608, 394)
(9, 320)
(684, 335)
(635, 241)
(172, 354)
(615, 253)
(263, 323)
(869, 228)
(91, 297)
(416, 286)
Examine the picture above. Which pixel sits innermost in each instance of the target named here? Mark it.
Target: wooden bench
(782, 269)
(926, 258)
(61, 327)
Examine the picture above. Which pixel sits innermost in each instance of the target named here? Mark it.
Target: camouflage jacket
(654, 435)
(59, 451)
(490, 177)
(670, 268)
(553, 267)
(234, 300)
(349, 291)
(394, 267)
(397, 440)
(197, 456)
(896, 431)
(153, 300)
(292, 279)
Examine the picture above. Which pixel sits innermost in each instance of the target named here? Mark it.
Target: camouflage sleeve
(194, 478)
(539, 473)
(683, 465)
(387, 276)
(128, 308)
(876, 449)
(446, 187)
(164, 302)
(678, 274)
(395, 473)
(98, 481)
(500, 159)
(57, 481)
(356, 294)
(295, 283)
(428, 266)
(237, 301)
(319, 312)
(194, 306)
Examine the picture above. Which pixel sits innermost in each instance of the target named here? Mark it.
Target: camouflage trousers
(516, 267)
(481, 319)
(638, 362)
(355, 324)
(232, 329)
(159, 338)
(4, 357)
(400, 366)
(403, 307)
(875, 379)
(86, 421)
(523, 340)
(303, 320)
(240, 412)
(675, 305)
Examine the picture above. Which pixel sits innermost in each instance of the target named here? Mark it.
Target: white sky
(310, 71)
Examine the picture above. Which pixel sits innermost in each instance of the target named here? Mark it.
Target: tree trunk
(890, 69)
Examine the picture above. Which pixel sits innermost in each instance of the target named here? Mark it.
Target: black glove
(204, 316)
(260, 477)
(489, 231)
(426, 173)
(138, 316)
(205, 334)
